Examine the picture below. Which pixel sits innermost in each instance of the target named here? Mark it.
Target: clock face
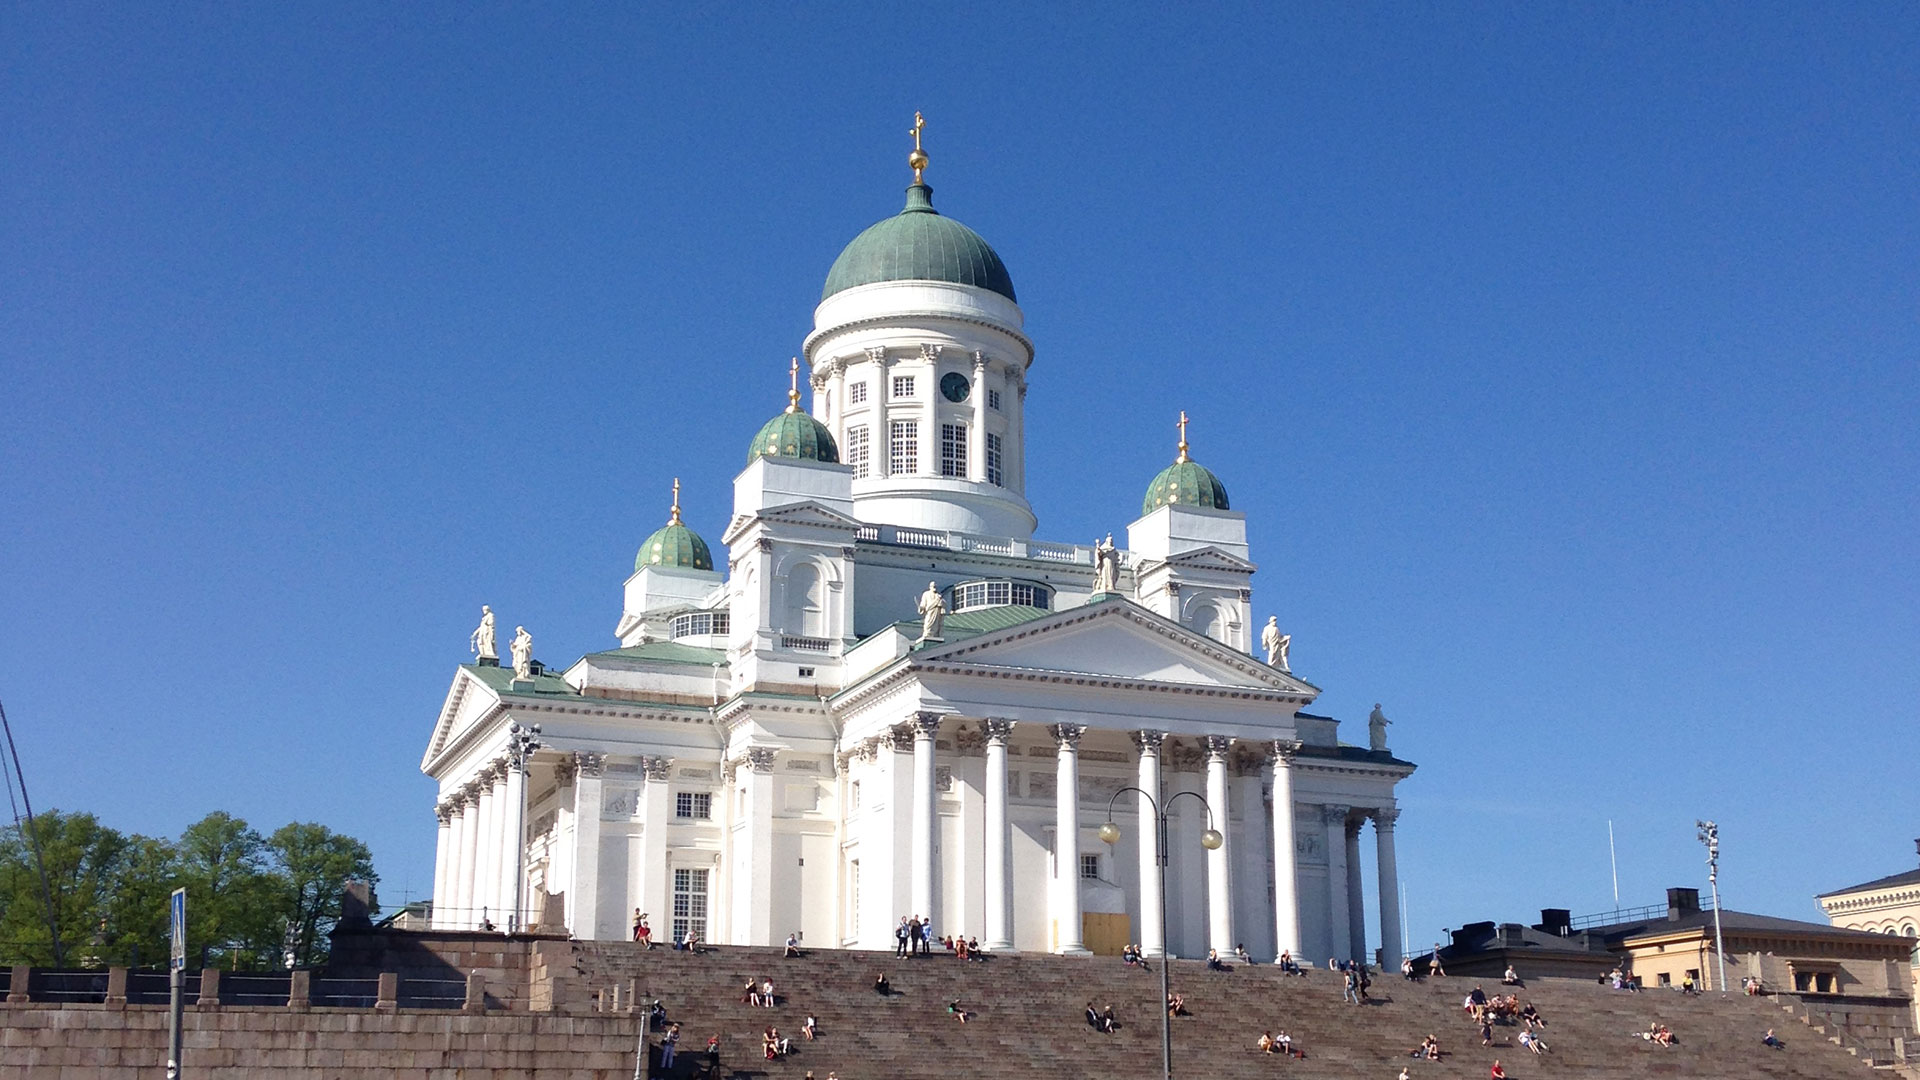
(955, 386)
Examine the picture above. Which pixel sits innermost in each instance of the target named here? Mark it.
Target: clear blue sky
(1564, 362)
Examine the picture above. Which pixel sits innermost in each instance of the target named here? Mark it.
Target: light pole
(1211, 840)
(1710, 836)
(521, 743)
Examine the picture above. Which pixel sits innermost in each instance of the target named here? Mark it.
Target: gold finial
(674, 519)
(918, 159)
(1183, 437)
(793, 386)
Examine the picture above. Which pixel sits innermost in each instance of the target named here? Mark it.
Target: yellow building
(1888, 906)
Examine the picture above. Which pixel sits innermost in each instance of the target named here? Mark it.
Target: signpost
(177, 918)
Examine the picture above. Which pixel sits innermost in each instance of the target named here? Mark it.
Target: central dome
(917, 244)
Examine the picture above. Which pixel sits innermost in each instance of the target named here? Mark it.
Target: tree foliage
(248, 897)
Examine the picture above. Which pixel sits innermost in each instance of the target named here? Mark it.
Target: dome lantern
(793, 433)
(1186, 482)
(675, 546)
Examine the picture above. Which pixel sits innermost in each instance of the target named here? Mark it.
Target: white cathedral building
(779, 745)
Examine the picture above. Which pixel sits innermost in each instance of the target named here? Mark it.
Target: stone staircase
(1027, 1019)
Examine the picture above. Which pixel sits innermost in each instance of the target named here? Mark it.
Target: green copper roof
(794, 434)
(1185, 483)
(674, 546)
(917, 244)
(664, 652)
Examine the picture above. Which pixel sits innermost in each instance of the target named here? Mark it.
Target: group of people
(1102, 1019)
(1429, 1048)
(1282, 1044)
(758, 993)
(913, 937)
(670, 1044)
(1658, 1033)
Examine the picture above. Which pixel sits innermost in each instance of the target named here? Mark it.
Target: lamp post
(1211, 840)
(521, 743)
(1710, 836)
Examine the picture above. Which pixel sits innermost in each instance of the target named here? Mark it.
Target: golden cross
(1183, 435)
(675, 519)
(793, 386)
(918, 123)
(917, 161)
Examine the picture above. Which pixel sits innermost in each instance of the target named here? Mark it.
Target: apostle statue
(481, 641)
(1277, 644)
(1377, 728)
(522, 647)
(933, 613)
(1106, 566)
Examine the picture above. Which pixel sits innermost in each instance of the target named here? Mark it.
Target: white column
(1153, 941)
(977, 438)
(1219, 868)
(999, 877)
(1334, 818)
(583, 894)
(880, 443)
(486, 857)
(657, 813)
(1390, 943)
(513, 878)
(464, 881)
(836, 417)
(502, 868)
(754, 924)
(443, 840)
(447, 910)
(1013, 449)
(1356, 897)
(921, 895)
(1066, 841)
(1286, 877)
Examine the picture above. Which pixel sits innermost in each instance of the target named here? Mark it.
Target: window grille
(953, 450)
(857, 451)
(993, 460)
(903, 447)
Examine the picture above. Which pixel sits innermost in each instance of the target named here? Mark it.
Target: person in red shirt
(1498, 1073)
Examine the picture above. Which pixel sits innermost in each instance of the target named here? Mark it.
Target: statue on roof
(1106, 566)
(933, 613)
(481, 640)
(522, 648)
(1377, 728)
(1277, 644)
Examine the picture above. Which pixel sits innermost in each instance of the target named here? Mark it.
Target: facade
(885, 697)
(1888, 906)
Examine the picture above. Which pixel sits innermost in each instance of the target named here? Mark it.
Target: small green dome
(1185, 483)
(794, 434)
(917, 244)
(674, 546)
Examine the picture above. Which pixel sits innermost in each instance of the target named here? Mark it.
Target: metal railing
(1618, 915)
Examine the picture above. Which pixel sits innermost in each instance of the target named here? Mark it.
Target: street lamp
(521, 743)
(1211, 840)
(1710, 836)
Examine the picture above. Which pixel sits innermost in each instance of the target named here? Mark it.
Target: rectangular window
(693, 804)
(903, 447)
(993, 400)
(857, 451)
(993, 459)
(689, 904)
(953, 450)
(853, 800)
(903, 386)
(853, 898)
(857, 393)
(1090, 867)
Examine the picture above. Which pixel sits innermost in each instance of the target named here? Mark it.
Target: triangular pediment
(1119, 641)
(468, 699)
(1210, 558)
(817, 515)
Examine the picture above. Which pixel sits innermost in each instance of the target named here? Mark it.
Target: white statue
(481, 642)
(933, 613)
(522, 647)
(1106, 566)
(1277, 644)
(1377, 728)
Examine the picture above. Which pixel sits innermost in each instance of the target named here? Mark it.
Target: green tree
(231, 893)
(108, 890)
(313, 865)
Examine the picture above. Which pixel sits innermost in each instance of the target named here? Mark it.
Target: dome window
(699, 624)
(973, 595)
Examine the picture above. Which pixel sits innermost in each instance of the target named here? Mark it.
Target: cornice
(909, 322)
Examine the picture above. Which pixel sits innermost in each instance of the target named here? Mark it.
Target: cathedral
(891, 699)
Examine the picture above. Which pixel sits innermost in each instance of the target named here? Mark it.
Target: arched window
(1914, 957)
(1207, 621)
(806, 601)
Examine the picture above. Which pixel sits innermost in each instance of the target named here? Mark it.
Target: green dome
(1185, 483)
(917, 244)
(794, 434)
(674, 546)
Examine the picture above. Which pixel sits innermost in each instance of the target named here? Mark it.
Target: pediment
(1210, 558)
(1117, 641)
(468, 700)
(808, 513)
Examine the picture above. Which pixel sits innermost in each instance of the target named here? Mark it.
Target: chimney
(1916, 845)
(1682, 902)
(1556, 920)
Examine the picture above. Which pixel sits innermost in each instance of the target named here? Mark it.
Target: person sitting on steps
(1107, 1022)
(793, 946)
(1511, 977)
(750, 994)
(1240, 954)
(1213, 961)
(1533, 1042)
(1177, 1005)
(1267, 1044)
(881, 986)
(954, 1010)
(809, 1029)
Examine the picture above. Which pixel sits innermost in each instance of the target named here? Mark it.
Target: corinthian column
(1286, 877)
(1219, 869)
(925, 726)
(1153, 940)
(1066, 841)
(1339, 937)
(1390, 943)
(999, 873)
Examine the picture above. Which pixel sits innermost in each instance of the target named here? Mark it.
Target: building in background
(1888, 906)
(886, 697)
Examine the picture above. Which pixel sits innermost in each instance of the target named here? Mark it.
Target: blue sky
(1563, 360)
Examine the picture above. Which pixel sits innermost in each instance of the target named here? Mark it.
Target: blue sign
(177, 912)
